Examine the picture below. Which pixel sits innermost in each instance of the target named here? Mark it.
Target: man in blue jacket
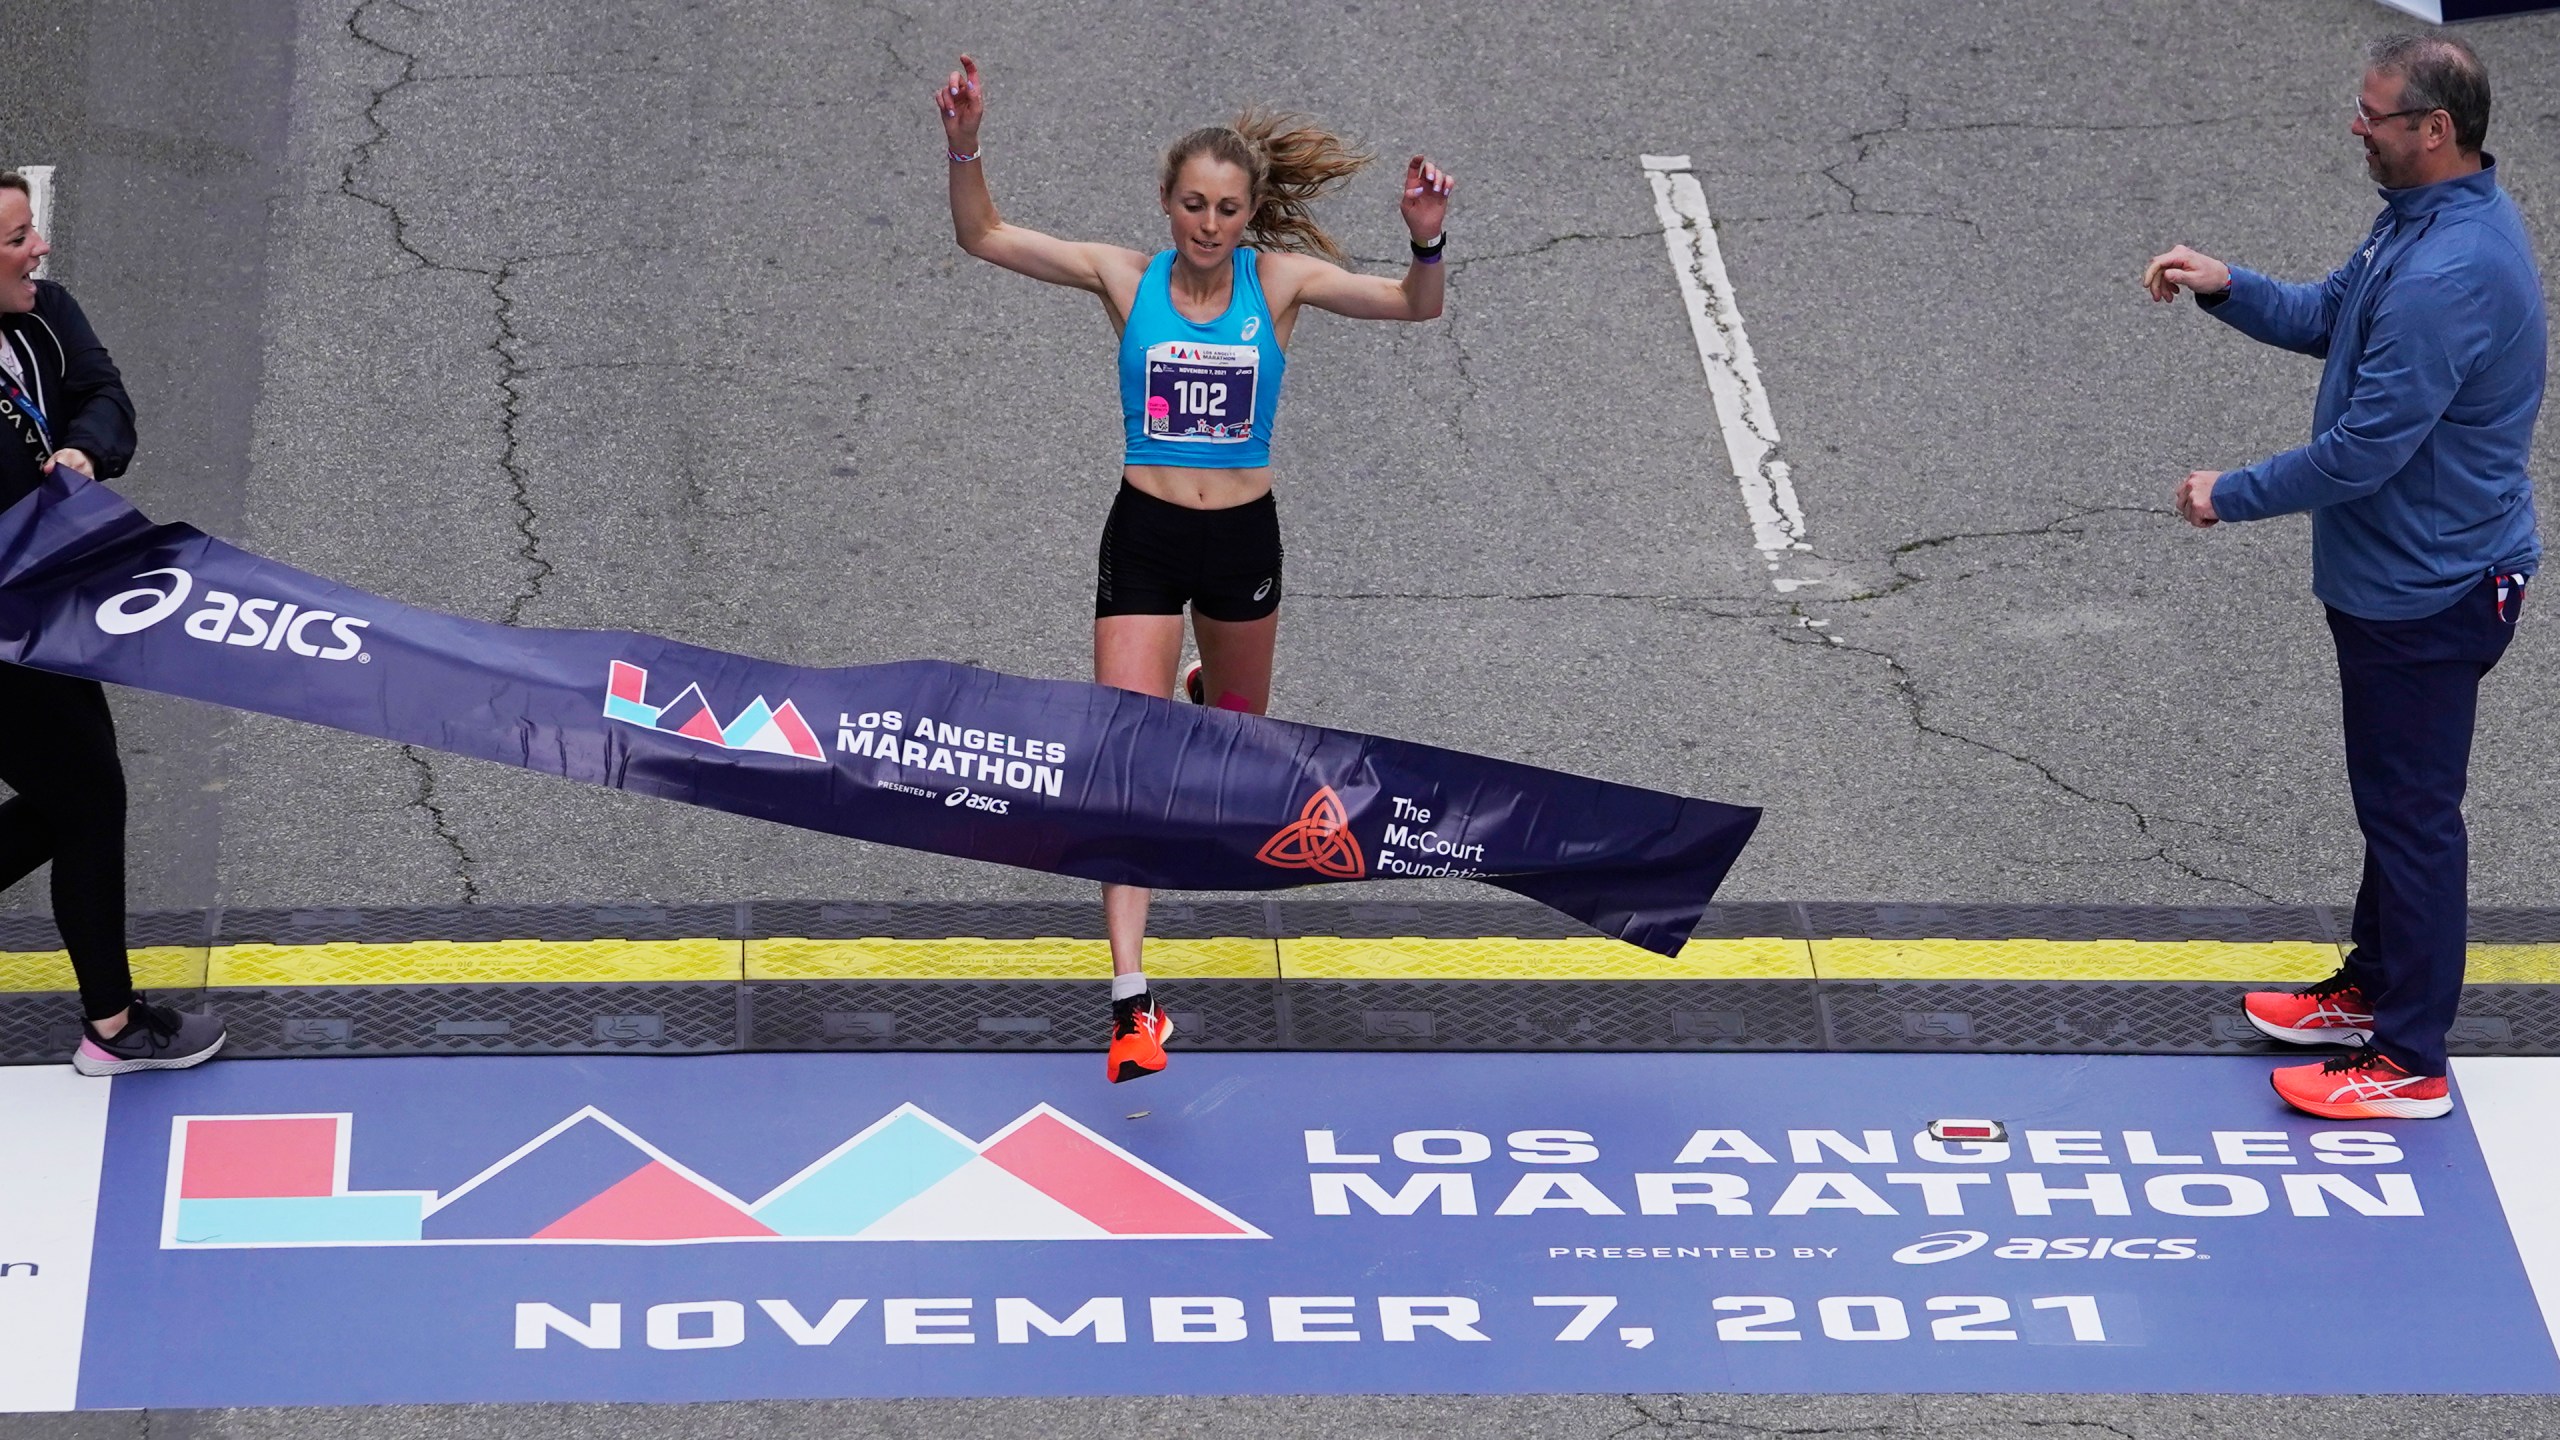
(2422, 540)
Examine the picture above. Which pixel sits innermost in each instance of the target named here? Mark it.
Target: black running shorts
(1158, 557)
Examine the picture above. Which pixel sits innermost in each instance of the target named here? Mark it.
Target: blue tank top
(1200, 395)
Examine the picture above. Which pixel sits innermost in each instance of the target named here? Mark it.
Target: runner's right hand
(963, 104)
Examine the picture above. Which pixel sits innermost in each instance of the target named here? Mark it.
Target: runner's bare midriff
(1200, 489)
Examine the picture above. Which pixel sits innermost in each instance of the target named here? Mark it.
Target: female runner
(1204, 329)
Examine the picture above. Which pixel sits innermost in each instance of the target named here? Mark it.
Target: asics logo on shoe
(2363, 1083)
(227, 619)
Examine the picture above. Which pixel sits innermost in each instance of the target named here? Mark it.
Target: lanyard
(26, 419)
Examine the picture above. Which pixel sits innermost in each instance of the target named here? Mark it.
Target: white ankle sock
(1129, 986)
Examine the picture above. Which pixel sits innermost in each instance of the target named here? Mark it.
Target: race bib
(1201, 393)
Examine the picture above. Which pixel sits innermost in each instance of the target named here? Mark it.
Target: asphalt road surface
(646, 315)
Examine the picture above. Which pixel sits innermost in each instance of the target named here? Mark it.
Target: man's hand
(2181, 266)
(77, 460)
(2195, 498)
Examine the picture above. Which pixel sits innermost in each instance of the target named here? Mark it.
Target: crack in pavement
(1653, 1421)
(1812, 629)
(889, 45)
(1868, 143)
(1872, 142)
(1907, 687)
(1904, 579)
(1686, 604)
(495, 75)
(1460, 262)
(503, 346)
(1474, 392)
(511, 374)
(465, 866)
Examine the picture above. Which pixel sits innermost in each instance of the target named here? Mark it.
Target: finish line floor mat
(646, 979)
(736, 1226)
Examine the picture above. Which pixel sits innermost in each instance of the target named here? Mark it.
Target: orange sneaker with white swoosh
(2363, 1085)
(2333, 1012)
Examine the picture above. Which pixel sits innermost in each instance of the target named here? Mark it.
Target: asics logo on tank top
(223, 618)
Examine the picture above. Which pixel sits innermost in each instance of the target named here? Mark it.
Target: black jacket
(74, 382)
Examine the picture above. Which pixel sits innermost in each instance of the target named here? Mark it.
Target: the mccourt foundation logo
(278, 1181)
(760, 727)
(1320, 839)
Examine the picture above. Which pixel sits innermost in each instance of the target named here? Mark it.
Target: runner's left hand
(1426, 197)
(2195, 498)
(77, 460)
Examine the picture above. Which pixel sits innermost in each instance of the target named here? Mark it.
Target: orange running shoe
(2333, 1012)
(1194, 689)
(1137, 1044)
(2364, 1084)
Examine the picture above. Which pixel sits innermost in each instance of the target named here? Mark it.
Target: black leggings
(58, 751)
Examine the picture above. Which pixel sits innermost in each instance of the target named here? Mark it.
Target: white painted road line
(40, 201)
(1733, 375)
(2509, 1100)
(53, 1128)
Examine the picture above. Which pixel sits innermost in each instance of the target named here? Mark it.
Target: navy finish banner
(769, 1226)
(1053, 775)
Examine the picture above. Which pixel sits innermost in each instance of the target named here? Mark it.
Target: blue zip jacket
(2415, 474)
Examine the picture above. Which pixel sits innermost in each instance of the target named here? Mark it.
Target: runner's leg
(1133, 652)
(1235, 660)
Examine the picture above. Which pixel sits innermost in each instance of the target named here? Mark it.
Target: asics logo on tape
(227, 619)
(118, 617)
(975, 801)
(1944, 1245)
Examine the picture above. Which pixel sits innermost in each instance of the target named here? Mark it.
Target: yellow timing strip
(478, 962)
(447, 962)
(155, 967)
(2513, 965)
(1584, 958)
(2277, 961)
(972, 959)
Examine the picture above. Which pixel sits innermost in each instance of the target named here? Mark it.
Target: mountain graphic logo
(280, 1181)
(772, 730)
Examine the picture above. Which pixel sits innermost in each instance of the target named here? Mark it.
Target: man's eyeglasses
(2370, 119)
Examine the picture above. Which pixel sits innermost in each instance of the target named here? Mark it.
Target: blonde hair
(1288, 161)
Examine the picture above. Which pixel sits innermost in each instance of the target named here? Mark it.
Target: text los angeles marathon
(1037, 767)
(1726, 1199)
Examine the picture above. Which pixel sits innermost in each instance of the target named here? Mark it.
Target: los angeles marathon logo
(760, 727)
(280, 1181)
(1320, 839)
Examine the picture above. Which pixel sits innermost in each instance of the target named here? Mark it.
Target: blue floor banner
(779, 1226)
(1061, 776)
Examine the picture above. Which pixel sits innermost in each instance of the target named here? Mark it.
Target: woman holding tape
(1204, 328)
(62, 403)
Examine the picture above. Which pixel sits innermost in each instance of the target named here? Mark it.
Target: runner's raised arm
(982, 232)
(1310, 280)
